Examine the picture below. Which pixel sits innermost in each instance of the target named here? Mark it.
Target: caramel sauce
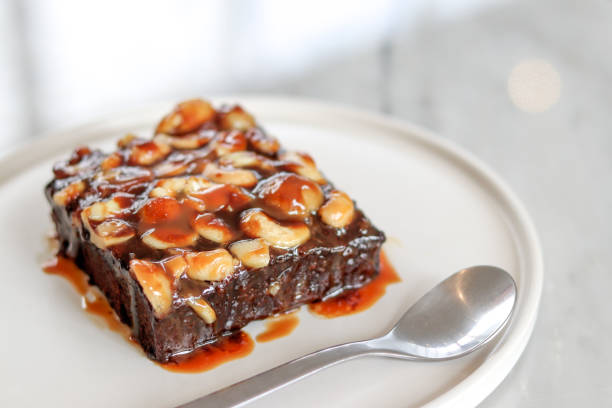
(223, 196)
(236, 345)
(279, 326)
(92, 300)
(360, 299)
(226, 348)
(66, 268)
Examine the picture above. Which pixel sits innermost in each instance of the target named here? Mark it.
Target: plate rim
(481, 382)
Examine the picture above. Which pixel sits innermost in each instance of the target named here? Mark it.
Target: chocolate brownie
(206, 226)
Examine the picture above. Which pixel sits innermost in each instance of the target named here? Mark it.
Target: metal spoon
(453, 319)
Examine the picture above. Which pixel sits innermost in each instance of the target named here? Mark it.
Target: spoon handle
(278, 377)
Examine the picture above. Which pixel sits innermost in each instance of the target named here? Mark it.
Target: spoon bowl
(453, 319)
(457, 316)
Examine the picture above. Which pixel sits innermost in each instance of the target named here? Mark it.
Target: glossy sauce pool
(361, 299)
(92, 300)
(227, 348)
(236, 345)
(278, 326)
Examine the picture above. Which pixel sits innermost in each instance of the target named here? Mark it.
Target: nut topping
(78, 162)
(223, 197)
(302, 164)
(209, 265)
(111, 161)
(207, 195)
(159, 210)
(169, 168)
(156, 286)
(245, 158)
(239, 159)
(257, 224)
(168, 228)
(203, 309)
(102, 210)
(169, 187)
(165, 237)
(195, 185)
(262, 142)
(212, 228)
(126, 140)
(122, 178)
(338, 211)
(186, 117)
(253, 253)
(236, 118)
(69, 193)
(238, 177)
(110, 232)
(176, 266)
(228, 142)
(289, 195)
(189, 141)
(147, 153)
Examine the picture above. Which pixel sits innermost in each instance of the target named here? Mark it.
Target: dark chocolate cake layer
(207, 226)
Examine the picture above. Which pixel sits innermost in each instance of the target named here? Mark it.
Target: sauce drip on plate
(279, 326)
(235, 345)
(361, 299)
(92, 300)
(225, 349)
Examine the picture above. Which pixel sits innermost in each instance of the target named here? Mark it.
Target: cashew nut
(165, 237)
(237, 118)
(203, 309)
(168, 168)
(338, 211)
(254, 253)
(262, 142)
(126, 140)
(290, 194)
(245, 158)
(212, 228)
(186, 117)
(160, 209)
(169, 187)
(223, 196)
(228, 142)
(238, 177)
(69, 193)
(109, 233)
(111, 161)
(302, 164)
(156, 286)
(189, 141)
(257, 224)
(101, 210)
(209, 265)
(175, 265)
(147, 153)
(196, 185)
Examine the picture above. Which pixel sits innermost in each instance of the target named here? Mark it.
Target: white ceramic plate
(440, 207)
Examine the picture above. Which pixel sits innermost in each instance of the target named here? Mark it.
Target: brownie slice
(206, 226)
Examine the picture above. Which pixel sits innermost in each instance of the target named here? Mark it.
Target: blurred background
(525, 85)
